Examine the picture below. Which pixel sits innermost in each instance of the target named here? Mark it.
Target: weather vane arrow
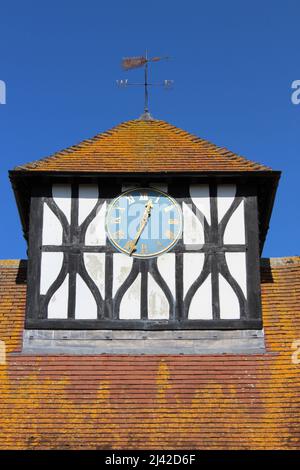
(129, 63)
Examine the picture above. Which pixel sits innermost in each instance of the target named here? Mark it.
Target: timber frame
(257, 190)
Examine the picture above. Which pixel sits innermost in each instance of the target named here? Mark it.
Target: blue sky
(232, 62)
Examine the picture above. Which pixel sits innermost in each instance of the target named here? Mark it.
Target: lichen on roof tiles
(158, 145)
(228, 401)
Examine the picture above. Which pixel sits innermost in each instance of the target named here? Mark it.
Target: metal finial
(129, 63)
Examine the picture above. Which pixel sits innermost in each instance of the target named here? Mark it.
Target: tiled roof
(139, 146)
(148, 402)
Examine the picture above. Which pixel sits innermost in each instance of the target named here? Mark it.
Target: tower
(144, 316)
(148, 231)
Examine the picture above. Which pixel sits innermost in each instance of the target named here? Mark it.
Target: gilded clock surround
(143, 191)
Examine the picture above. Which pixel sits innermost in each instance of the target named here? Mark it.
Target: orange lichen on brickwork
(12, 303)
(147, 402)
(139, 146)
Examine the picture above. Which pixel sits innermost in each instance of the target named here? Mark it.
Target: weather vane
(129, 63)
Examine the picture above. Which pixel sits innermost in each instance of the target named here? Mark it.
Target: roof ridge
(280, 261)
(10, 263)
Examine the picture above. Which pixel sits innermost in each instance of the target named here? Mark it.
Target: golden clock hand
(143, 223)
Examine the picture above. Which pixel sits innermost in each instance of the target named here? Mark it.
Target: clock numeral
(115, 220)
(169, 234)
(144, 248)
(168, 208)
(130, 199)
(173, 221)
(118, 208)
(157, 199)
(119, 234)
(144, 197)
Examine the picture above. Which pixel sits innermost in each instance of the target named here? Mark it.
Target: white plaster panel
(122, 265)
(85, 304)
(87, 199)
(226, 194)
(95, 266)
(236, 263)
(192, 267)
(95, 233)
(158, 305)
(130, 307)
(229, 304)
(62, 196)
(200, 197)
(235, 228)
(201, 304)
(166, 267)
(58, 304)
(193, 233)
(51, 264)
(52, 229)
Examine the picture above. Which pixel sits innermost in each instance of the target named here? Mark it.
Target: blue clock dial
(144, 222)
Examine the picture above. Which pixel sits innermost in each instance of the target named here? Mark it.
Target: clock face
(144, 222)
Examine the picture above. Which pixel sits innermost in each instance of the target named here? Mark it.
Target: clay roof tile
(160, 146)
